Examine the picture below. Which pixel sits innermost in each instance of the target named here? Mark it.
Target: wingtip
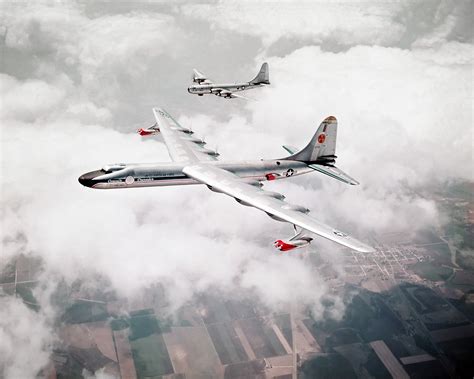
(330, 119)
(365, 249)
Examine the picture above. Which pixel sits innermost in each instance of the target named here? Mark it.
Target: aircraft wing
(224, 181)
(182, 145)
(228, 94)
(199, 77)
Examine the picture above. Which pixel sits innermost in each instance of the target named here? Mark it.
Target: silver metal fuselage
(169, 174)
(213, 88)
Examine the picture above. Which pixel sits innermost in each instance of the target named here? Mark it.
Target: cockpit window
(114, 167)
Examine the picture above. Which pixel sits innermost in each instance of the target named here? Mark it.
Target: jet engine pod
(287, 245)
(148, 131)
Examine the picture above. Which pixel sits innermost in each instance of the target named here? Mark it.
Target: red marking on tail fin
(322, 138)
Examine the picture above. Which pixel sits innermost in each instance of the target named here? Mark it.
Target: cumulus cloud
(25, 338)
(340, 25)
(404, 121)
(347, 23)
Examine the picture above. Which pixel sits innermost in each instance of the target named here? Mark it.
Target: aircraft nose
(84, 181)
(87, 180)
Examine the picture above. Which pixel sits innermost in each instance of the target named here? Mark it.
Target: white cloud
(28, 100)
(99, 374)
(404, 116)
(347, 23)
(24, 339)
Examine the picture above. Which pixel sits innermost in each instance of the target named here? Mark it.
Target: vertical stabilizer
(263, 76)
(322, 147)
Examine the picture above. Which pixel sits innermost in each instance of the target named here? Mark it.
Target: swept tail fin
(322, 147)
(320, 152)
(263, 76)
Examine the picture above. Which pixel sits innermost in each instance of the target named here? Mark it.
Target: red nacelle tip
(143, 132)
(283, 246)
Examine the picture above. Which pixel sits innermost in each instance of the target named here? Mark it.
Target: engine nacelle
(243, 202)
(296, 208)
(276, 218)
(195, 140)
(287, 245)
(148, 131)
(213, 189)
(275, 195)
(212, 153)
(253, 182)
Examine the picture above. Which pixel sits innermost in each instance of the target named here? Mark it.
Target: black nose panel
(88, 179)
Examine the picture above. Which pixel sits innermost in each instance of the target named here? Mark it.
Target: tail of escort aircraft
(262, 77)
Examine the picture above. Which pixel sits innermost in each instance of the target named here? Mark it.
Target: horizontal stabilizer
(331, 171)
(200, 78)
(290, 149)
(335, 173)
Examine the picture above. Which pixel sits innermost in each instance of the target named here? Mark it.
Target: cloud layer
(25, 336)
(77, 81)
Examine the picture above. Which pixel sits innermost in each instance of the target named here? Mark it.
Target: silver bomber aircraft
(193, 163)
(203, 86)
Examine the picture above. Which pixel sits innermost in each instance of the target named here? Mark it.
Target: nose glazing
(84, 181)
(88, 179)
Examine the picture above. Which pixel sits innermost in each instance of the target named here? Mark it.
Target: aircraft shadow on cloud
(193, 163)
(204, 86)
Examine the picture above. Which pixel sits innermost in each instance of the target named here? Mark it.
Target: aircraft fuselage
(215, 89)
(169, 174)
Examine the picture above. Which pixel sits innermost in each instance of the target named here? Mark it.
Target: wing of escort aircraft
(182, 148)
(227, 93)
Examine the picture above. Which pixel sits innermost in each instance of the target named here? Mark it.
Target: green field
(85, 312)
(120, 323)
(148, 347)
(330, 366)
(24, 290)
(432, 271)
(151, 356)
(226, 343)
